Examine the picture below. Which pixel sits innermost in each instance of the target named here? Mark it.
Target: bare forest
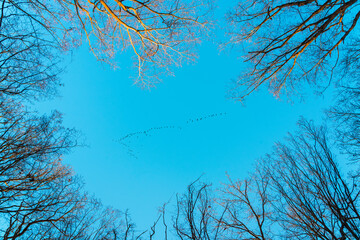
(298, 191)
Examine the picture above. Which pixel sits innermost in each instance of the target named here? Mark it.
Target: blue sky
(104, 105)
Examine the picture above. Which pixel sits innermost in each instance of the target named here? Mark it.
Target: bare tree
(45, 206)
(247, 209)
(40, 197)
(160, 33)
(28, 52)
(195, 214)
(89, 221)
(299, 192)
(346, 116)
(35, 185)
(292, 42)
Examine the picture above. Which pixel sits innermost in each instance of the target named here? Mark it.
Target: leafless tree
(89, 221)
(346, 116)
(247, 209)
(290, 43)
(28, 52)
(40, 197)
(35, 185)
(195, 214)
(34, 209)
(160, 33)
(299, 192)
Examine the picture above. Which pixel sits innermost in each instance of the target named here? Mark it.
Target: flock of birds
(147, 131)
(205, 117)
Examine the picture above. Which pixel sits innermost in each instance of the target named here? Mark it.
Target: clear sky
(105, 106)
